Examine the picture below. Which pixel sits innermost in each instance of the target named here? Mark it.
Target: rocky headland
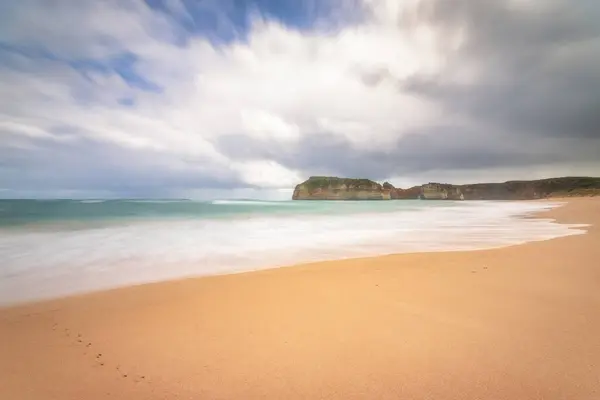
(334, 188)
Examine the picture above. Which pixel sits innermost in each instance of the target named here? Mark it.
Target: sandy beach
(521, 322)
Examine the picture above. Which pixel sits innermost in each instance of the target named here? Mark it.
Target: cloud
(152, 98)
(533, 65)
(421, 153)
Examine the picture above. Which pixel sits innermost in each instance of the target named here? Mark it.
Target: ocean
(52, 248)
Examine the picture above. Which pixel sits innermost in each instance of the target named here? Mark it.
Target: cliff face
(440, 191)
(402, 194)
(515, 190)
(332, 188)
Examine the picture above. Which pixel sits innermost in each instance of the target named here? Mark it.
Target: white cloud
(268, 126)
(267, 173)
(280, 84)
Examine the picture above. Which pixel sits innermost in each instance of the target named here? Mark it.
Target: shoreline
(535, 214)
(513, 322)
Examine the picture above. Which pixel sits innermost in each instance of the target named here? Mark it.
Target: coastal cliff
(515, 190)
(333, 188)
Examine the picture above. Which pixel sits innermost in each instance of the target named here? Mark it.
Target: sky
(234, 98)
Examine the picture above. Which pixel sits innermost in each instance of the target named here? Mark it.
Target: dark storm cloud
(441, 147)
(534, 100)
(537, 65)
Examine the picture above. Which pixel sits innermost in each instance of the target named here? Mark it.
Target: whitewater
(62, 247)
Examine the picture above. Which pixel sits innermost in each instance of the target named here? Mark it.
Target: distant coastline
(335, 188)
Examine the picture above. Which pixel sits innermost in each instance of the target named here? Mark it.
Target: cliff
(332, 188)
(515, 190)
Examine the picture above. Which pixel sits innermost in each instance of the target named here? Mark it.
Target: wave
(251, 203)
(154, 201)
(44, 262)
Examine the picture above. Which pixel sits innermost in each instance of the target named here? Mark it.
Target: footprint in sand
(99, 357)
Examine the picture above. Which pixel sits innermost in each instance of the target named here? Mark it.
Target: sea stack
(333, 188)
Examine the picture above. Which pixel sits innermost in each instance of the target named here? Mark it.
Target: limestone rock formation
(514, 190)
(441, 191)
(407, 194)
(333, 188)
(397, 193)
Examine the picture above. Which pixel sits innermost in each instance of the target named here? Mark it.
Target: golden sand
(516, 323)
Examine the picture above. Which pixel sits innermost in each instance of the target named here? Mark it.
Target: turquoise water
(58, 247)
(32, 212)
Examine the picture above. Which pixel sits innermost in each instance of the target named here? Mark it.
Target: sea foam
(46, 262)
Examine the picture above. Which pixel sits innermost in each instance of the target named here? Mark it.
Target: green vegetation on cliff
(537, 189)
(316, 182)
(334, 188)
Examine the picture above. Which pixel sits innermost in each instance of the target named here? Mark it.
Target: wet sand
(515, 323)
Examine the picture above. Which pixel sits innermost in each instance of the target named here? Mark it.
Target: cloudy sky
(201, 98)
